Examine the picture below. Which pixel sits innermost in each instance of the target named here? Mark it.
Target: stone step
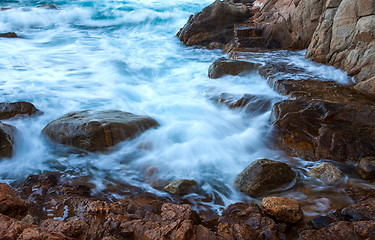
(246, 31)
(251, 42)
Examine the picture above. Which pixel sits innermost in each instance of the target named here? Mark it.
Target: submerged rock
(282, 209)
(263, 176)
(366, 168)
(181, 186)
(224, 66)
(327, 172)
(7, 135)
(50, 6)
(9, 110)
(214, 24)
(250, 103)
(9, 35)
(97, 130)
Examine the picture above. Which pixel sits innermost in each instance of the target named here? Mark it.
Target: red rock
(10, 203)
(283, 209)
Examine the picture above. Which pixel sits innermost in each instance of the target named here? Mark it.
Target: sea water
(125, 55)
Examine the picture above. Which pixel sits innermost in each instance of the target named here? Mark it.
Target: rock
(282, 209)
(344, 38)
(72, 228)
(366, 168)
(263, 176)
(50, 6)
(4, 8)
(246, 221)
(327, 172)
(341, 230)
(9, 35)
(181, 186)
(224, 66)
(316, 130)
(367, 86)
(9, 110)
(250, 103)
(7, 135)
(97, 130)
(360, 211)
(10, 204)
(214, 24)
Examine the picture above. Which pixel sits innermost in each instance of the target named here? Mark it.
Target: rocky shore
(321, 121)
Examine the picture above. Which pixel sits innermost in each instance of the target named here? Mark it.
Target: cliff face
(345, 38)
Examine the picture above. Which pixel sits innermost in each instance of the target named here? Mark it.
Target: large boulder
(7, 135)
(97, 130)
(9, 110)
(264, 176)
(345, 38)
(224, 66)
(214, 24)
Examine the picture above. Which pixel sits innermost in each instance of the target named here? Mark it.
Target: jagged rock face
(214, 24)
(345, 38)
(97, 130)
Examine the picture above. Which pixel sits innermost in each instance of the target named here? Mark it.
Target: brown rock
(96, 131)
(181, 186)
(50, 6)
(367, 86)
(360, 211)
(250, 103)
(214, 24)
(73, 228)
(9, 35)
(282, 209)
(224, 66)
(366, 168)
(327, 172)
(7, 135)
(10, 203)
(9, 110)
(263, 176)
(341, 230)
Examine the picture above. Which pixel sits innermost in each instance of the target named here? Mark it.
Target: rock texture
(366, 167)
(7, 135)
(263, 176)
(224, 66)
(181, 186)
(9, 110)
(345, 38)
(96, 131)
(254, 104)
(10, 204)
(282, 209)
(327, 172)
(214, 24)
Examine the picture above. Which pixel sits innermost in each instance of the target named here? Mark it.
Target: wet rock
(344, 38)
(282, 209)
(10, 204)
(366, 167)
(246, 221)
(327, 172)
(49, 6)
(9, 110)
(97, 130)
(250, 103)
(263, 176)
(9, 35)
(7, 135)
(316, 130)
(4, 8)
(360, 211)
(181, 186)
(341, 230)
(73, 228)
(224, 66)
(214, 24)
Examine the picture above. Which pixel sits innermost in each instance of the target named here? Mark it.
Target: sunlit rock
(181, 186)
(263, 176)
(283, 209)
(224, 66)
(97, 130)
(327, 172)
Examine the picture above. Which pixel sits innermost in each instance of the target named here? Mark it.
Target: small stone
(9, 35)
(263, 176)
(181, 187)
(283, 209)
(327, 172)
(366, 167)
(28, 219)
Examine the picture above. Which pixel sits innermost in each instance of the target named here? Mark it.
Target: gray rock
(366, 168)
(263, 176)
(327, 172)
(181, 186)
(97, 130)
